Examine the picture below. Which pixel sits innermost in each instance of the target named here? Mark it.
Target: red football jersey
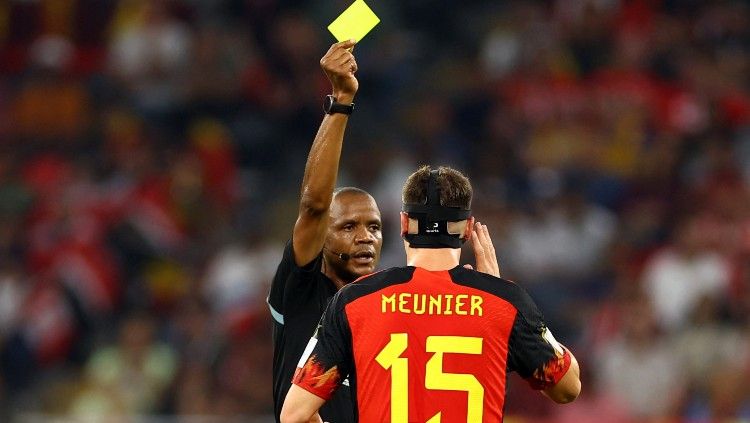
(421, 346)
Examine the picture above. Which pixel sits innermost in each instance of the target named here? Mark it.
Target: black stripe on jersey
(374, 283)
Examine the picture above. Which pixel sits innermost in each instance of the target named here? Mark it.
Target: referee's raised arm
(336, 239)
(322, 165)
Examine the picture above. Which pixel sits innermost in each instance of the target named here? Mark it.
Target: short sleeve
(533, 351)
(291, 283)
(327, 360)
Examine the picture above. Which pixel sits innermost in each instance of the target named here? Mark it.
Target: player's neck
(433, 258)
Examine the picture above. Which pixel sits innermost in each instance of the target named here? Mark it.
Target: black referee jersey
(298, 297)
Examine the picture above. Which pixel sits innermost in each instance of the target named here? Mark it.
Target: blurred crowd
(152, 152)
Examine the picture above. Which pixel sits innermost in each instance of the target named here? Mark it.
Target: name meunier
(445, 304)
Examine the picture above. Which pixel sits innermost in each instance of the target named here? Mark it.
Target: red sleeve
(550, 373)
(316, 379)
(328, 355)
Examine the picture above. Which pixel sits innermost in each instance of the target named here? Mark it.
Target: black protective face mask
(433, 220)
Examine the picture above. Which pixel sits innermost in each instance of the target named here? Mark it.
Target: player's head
(437, 208)
(352, 245)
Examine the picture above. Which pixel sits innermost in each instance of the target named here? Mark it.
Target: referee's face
(354, 230)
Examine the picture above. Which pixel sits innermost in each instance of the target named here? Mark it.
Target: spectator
(678, 276)
(128, 377)
(637, 370)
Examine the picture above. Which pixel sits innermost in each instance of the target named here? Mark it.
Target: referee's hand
(340, 66)
(484, 251)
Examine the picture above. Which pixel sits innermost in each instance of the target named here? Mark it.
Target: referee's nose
(364, 236)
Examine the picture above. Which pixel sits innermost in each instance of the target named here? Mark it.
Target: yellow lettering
(460, 298)
(417, 309)
(440, 304)
(435, 304)
(402, 299)
(476, 305)
(388, 300)
(447, 310)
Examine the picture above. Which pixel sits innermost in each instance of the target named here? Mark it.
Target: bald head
(350, 190)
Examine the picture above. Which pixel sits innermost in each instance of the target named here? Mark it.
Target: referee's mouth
(364, 258)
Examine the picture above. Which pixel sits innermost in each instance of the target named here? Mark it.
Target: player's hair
(455, 188)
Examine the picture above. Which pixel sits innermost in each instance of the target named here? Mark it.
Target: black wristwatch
(330, 106)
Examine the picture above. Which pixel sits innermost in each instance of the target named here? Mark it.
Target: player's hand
(484, 251)
(340, 67)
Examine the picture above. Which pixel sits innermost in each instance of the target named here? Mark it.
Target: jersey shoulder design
(499, 287)
(373, 283)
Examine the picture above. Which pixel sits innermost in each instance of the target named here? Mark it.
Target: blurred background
(152, 151)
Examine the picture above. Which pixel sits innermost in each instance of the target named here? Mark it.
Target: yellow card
(356, 21)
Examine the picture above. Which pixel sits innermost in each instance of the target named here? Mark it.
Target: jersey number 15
(435, 379)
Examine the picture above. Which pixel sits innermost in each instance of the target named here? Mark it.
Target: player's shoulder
(387, 276)
(374, 282)
(497, 286)
(479, 280)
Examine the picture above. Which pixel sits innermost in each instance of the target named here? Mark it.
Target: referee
(336, 239)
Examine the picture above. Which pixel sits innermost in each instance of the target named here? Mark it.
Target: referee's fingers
(346, 44)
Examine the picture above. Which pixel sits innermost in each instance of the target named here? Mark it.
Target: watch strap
(331, 106)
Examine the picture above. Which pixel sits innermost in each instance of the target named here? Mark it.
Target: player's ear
(469, 226)
(404, 223)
